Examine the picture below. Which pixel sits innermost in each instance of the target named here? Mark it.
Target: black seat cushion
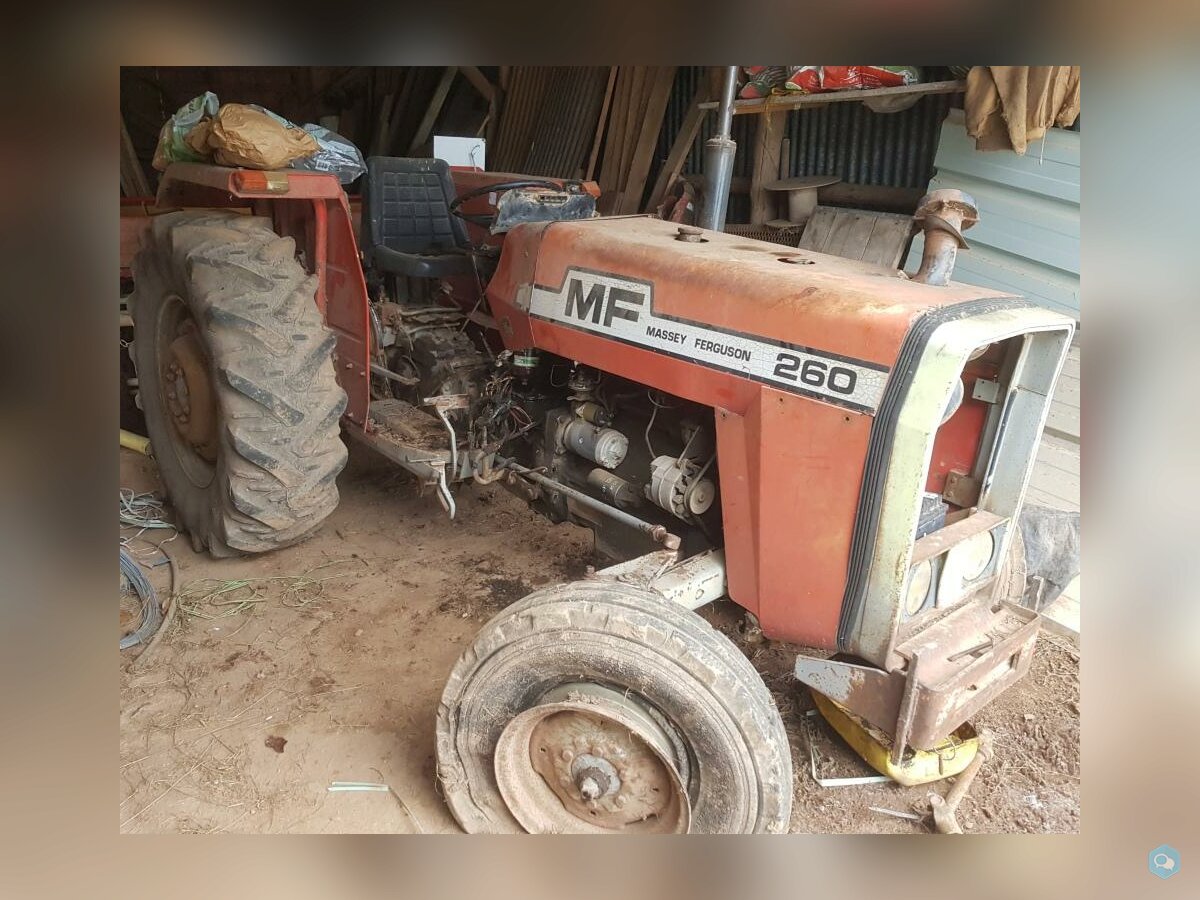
(409, 227)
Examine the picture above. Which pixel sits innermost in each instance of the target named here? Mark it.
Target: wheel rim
(591, 759)
(187, 396)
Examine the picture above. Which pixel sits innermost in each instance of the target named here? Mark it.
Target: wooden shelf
(782, 102)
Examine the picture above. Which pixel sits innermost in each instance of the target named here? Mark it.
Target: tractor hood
(732, 285)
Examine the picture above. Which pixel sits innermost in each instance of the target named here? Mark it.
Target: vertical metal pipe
(719, 151)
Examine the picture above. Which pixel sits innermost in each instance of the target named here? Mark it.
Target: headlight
(966, 562)
(919, 580)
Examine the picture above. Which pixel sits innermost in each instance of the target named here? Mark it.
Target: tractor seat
(409, 227)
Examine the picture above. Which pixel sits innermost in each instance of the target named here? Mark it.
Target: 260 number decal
(814, 373)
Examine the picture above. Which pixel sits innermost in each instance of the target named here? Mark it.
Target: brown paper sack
(197, 138)
(242, 136)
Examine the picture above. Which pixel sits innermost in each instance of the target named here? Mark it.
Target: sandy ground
(246, 713)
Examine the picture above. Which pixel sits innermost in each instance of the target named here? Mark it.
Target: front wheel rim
(589, 759)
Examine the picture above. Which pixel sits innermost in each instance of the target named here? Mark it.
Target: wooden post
(676, 159)
(435, 107)
(768, 145)
(608, 96)
(647, 139)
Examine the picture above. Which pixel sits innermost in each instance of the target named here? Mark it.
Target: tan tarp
(1010, 107)
(241, 136)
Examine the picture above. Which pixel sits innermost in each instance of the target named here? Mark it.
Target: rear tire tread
(277, 393)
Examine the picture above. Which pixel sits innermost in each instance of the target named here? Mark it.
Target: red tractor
(840, 449)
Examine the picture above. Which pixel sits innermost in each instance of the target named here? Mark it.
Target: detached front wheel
(597, 707)
(236, 380)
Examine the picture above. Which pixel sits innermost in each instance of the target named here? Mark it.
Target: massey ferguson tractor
(838, 448)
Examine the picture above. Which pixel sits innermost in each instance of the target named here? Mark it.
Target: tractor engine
(635, 448)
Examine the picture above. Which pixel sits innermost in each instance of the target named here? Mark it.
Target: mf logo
(602, 303)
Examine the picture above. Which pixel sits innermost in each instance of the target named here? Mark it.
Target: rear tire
(265, 476)
(736, 764)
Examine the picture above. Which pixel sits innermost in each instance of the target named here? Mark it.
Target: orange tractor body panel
(791, 464)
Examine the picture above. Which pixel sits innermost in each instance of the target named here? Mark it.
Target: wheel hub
(590, 759)
(187, 386)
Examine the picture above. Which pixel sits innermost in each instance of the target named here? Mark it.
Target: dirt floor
(329, 664)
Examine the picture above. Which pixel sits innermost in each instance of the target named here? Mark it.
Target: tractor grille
(789, 236)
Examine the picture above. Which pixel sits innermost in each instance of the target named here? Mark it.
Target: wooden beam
(479, 82)
(676, 159)
(608, 96)
(651, 125)
(133, 177)
(398, 110)
(791, 101)
(610, 167)
(768, 144)
(435, 108)
(493, 120)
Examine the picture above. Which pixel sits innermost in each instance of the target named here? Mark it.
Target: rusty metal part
(801, 195)
(943, 215)
(961, 489)
(658, 532)
(191, 400)
(590, 759)
(950, 673)
(944, 809)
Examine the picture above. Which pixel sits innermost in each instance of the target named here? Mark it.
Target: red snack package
(849, 78)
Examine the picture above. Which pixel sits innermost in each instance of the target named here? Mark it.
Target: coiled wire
(151, 611)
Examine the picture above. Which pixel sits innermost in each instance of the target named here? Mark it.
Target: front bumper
(954, 667)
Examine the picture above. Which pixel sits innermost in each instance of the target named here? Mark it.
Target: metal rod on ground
(718, 158)
(658, 532)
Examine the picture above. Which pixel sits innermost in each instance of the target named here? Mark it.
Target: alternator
(675, 486)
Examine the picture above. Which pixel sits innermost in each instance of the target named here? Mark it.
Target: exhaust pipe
(718, 159)
(943, 215)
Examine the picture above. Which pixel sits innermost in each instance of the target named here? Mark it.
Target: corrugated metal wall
(844, 139)
(549, 120)
(864, 147)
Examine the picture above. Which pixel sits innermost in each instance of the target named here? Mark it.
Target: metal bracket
(986, 390)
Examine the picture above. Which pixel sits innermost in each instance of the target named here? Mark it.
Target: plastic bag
(337, 155)
(173, 145)
(255, 138)
(761, 81)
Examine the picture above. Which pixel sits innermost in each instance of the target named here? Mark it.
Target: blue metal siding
(1027, 238)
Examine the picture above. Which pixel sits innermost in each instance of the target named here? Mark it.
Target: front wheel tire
(599, 707)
